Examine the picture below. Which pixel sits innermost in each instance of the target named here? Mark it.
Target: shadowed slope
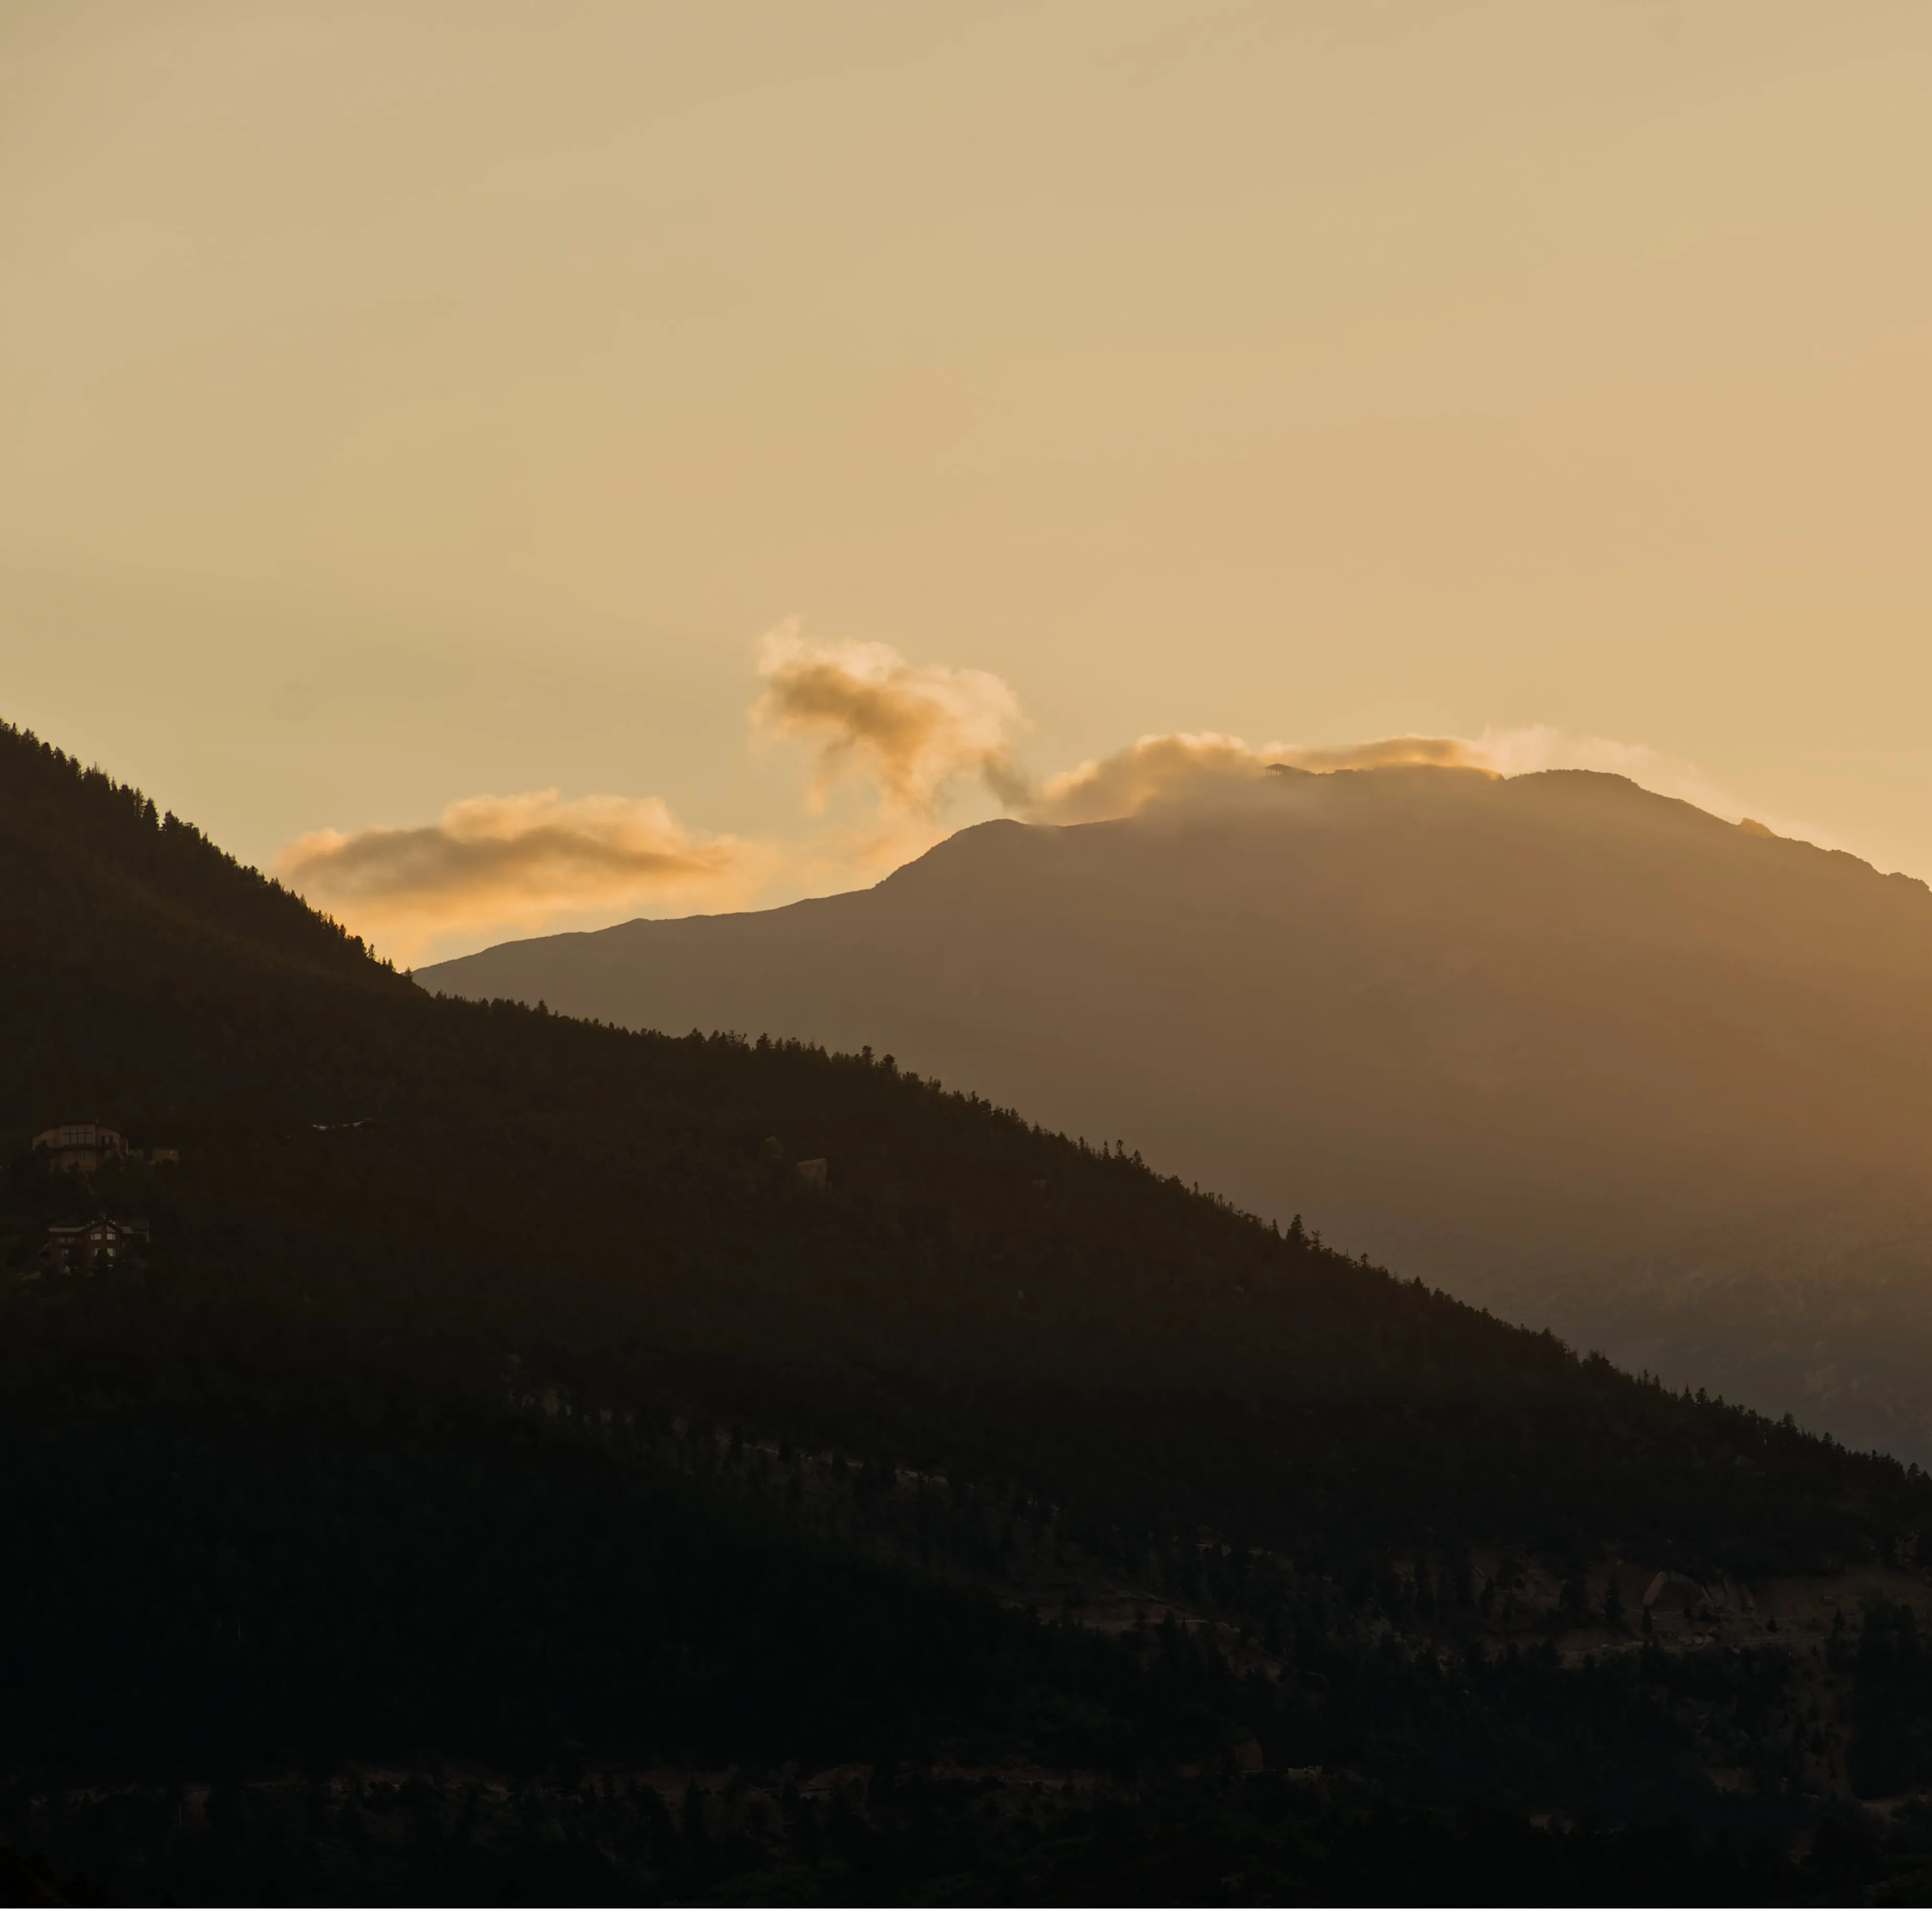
(607, 1204)
(548, 1420)
(1589, 1054)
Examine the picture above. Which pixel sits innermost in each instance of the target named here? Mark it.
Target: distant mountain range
(1588, 1055)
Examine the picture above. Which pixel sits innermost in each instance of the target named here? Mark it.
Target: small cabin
(103, 1241)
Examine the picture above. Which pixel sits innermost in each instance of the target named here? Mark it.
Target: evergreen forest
(508, 1470)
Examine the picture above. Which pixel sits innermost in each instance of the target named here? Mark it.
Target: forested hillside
(1582, 1054)
(506, 1474)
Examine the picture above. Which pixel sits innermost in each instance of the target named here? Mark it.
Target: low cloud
(1178, 765)
(1380, 753)
(491, 865)
(1173, 765)
(913, 730)
(1542, 748)
(513, 861)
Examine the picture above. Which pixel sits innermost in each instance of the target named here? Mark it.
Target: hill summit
(1585, 1054)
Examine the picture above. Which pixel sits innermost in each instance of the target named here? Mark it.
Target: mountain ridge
(1585, 1053)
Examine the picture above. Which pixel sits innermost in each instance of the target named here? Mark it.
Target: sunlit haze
(505, 466)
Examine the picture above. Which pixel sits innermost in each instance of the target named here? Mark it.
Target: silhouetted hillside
(1588, 1055)
(507, 1476)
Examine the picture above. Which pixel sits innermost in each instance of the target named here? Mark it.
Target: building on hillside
(81, 1149)
(88, 1146)
(103, 1241)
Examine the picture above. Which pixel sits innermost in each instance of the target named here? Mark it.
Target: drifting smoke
(512, 860)
(916, 730)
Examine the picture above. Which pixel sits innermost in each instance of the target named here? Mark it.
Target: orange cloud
(1174, 764)
(491, 861)
(915, 730)
(1178, 765)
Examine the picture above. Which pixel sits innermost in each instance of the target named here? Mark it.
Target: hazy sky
(408, 404)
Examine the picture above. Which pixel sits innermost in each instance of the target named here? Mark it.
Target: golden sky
(414, 410)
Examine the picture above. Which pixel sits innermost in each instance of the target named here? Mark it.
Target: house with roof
(86, 1147)
(104, 1240)
(81, 1148)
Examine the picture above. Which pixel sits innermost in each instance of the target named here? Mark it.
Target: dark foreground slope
(1586, 1055)
(537, 1491)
